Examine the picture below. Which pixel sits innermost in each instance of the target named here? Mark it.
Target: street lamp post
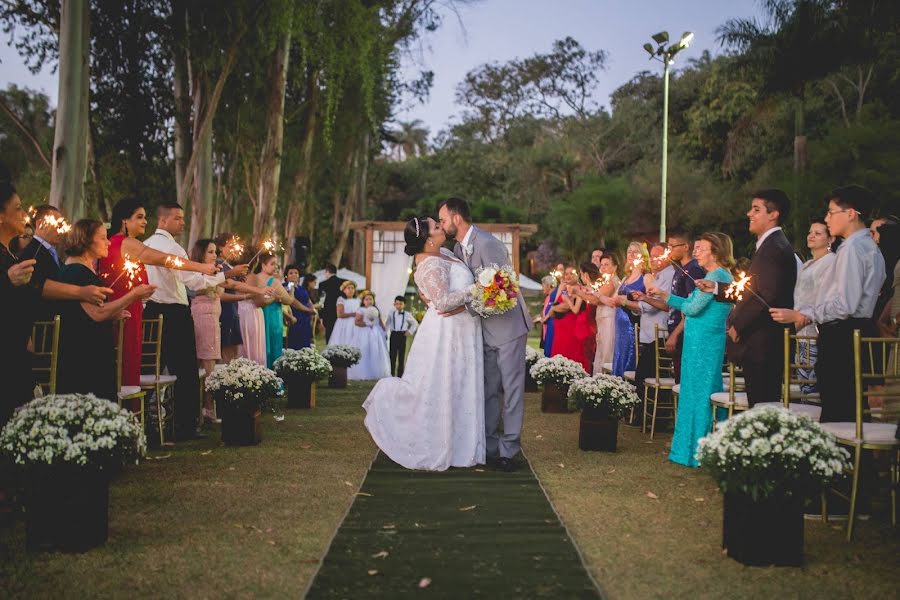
(666, 55)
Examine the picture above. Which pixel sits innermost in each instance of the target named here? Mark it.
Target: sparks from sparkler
(233, 248)
(173, 262)
(666, 256)
(736, 289)
(267, 246)
(601, 281)
(130, 268)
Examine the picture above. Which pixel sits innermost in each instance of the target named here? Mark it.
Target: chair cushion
(629, 375)
(163, 379)
(663, 381)
(723, 399)
(127, 391)
(810, 410)
(877, 433)
(201, 373)
(606, 367)
(738, 381)
(676, 388)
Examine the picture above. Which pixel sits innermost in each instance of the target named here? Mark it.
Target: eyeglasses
(834, 212)
(678, 245)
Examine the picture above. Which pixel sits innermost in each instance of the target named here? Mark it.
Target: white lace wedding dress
(433, 417)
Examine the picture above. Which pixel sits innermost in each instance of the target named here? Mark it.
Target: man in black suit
(756, 342)
(331, 287)
(43, 249)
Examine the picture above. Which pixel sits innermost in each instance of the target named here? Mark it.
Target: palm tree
(411, 139)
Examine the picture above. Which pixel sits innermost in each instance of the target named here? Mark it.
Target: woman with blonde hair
(637, 264)
(704, 346)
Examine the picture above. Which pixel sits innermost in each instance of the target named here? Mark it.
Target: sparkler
(735, 289)
(173, 262)
(601, 281)
(666, 256)
(233, 248)
(130, 268)
(267, 246)
(59, 223)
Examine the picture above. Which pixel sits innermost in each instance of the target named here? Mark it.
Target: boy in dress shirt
(401, 324)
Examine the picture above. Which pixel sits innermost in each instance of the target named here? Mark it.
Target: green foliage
(595, 211)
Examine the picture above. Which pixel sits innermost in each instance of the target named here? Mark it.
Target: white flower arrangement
(244, 382)
(532, 356)
(73, 429)
(558, 370)
(604, 391)
(341, 355)
(306, 362)
(772, 452)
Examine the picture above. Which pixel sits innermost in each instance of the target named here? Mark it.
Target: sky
(500, 30)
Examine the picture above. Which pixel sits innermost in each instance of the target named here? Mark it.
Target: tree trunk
(181, 80)
(345, 211)
(202, 187)
(362, 205)
(300, 189)
(94, 167)
(70, 135)
(270, 163)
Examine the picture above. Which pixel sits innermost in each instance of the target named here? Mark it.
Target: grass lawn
(205, 521)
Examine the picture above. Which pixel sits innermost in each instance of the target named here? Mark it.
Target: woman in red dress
(586, 319)
(565, 311)
(128, 221)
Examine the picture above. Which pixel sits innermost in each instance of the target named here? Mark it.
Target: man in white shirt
(401, 324)
(179, 352)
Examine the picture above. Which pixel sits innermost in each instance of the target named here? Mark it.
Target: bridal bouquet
(341, 355)
(496, 290)
(245, 383)
(604, 391)
(72, 429)
(558, 370)
(305, 362)
(772, 452)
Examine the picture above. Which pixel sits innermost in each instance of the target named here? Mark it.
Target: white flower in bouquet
(246, 381)
(772, 452)
(496, 290)
(370, 314)
(306, 362)
(73, 429)
(558, 370)
(532, 356)
(341, 355)
(604, 391)
(486, 276)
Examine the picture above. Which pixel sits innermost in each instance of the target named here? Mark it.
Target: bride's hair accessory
(415, 236)
(418, 233)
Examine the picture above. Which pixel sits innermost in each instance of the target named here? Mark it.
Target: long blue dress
(274, 330)
(623, 353)
(300, 333)
(701, 366)
(548, 338)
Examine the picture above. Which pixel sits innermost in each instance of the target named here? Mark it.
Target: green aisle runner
(459, 534)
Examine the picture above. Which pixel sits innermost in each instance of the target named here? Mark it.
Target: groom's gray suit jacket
(487, 250)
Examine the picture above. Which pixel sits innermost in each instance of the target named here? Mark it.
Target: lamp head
(660, 38)
(649, 49)
(686, 38)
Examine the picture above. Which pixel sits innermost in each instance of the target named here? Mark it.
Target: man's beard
(450, 231)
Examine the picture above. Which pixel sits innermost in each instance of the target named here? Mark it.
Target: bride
(433, 417)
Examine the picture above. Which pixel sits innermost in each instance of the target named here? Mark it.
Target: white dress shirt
(465, 242)
(170, 283)
(852, 282)
(762, 238)
(401, 321)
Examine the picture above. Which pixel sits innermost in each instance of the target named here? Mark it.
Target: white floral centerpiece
(244, 383)
(772, 452)
(532, 355)
(603, 392)
(341, 355)
(557, 370)
(306, 362)
(78, 430)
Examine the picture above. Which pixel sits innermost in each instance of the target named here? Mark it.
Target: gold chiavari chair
(45, 342)
(797, 364)
(129, 395)
(151, 377)
(663, 380)
(732, 400)
(875, 361)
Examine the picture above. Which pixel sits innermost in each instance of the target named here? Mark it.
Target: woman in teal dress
(704, 348)
(271, 313)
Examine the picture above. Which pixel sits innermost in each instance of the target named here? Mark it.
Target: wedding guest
(300, 333)
(252, 321)
(401, 325)
(704, 347)
(596, 257)
(375, 363)
(229, 323)
(654, 315)
(810, 281)
(127, 222)
(331, 288)
(565, 311)
(846, 302)
(43, 248)
(586, 319)
(548, 315)
(345, 331)
(548, 286)
(876, 224)
(636, 264)
(681, 253)
(755, 341)
(889, 245)
(265, 272)
(179, 348)
(605, 316)
(87, 352)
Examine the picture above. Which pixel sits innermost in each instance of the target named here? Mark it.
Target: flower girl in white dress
(370, 332)
(345, 332)
(433, 417)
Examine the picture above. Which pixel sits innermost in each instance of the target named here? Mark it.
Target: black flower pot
(554, 399)
(301, 391)
(241, 426)
(763, 532)
(66, 509)
(530, 384)
(598, 430)
(338, 377)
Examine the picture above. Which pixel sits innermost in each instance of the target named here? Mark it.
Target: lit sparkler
(233, 249)
(268, 246)
(736, 289)
(601, 281)
(666, 256)
(132, 268)
(173, 262)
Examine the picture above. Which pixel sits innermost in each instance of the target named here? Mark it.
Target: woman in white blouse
(810, 279)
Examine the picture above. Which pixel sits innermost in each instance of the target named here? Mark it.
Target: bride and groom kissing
(464, 372)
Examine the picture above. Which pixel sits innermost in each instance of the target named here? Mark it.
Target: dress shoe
(507, 465)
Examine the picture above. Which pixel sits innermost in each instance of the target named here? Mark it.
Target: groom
(504, 337)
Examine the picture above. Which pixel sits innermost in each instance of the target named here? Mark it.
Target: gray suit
(504, 353)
